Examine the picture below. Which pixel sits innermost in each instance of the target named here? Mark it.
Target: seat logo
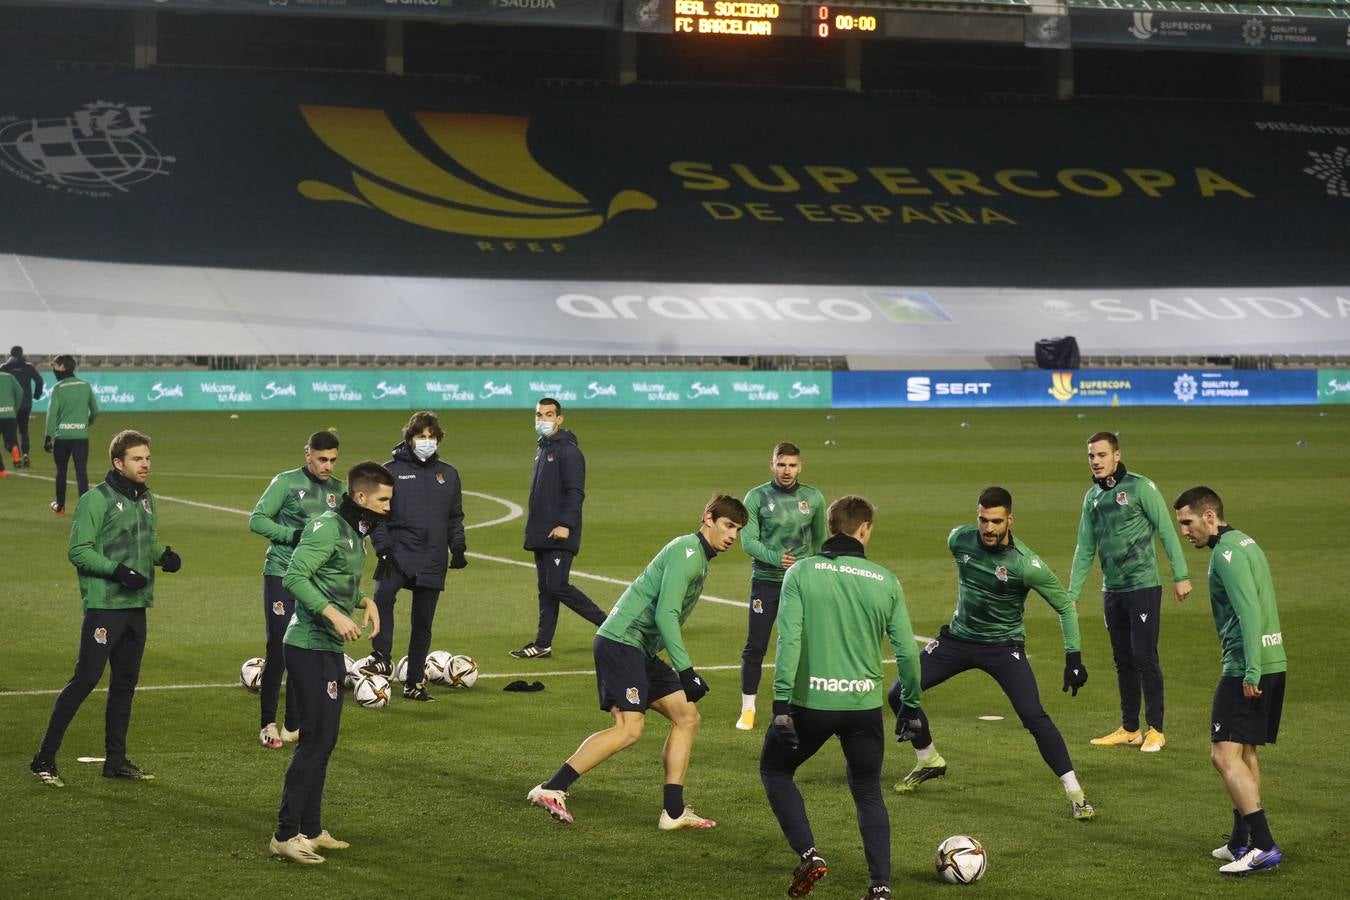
(483, 182)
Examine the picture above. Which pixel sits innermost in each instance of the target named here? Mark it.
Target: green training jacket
(291, 501)
(115, 522)
(325, 569)
(659, 601)
(71, 410)
(1118, 523)
(781, 520)
(1242, 597)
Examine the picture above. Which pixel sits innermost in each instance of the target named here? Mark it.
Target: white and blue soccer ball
(462, 671)
(437, 666)
(961, 860)
(251, 673)
(372, 691)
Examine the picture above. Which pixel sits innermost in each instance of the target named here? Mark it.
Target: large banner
(409, 389)
(1333, 386)
(384, 176)
(1177, 30)
(1081, 387)
(581, 13)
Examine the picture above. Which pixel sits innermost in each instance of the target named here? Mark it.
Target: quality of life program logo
(95, 151)
(486, 185)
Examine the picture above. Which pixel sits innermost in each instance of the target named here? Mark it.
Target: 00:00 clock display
(827, 22)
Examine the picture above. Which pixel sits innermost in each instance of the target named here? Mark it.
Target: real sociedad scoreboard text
(750, 20)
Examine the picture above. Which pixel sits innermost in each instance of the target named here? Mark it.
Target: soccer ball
(372, 691)
(250, 673)
(401, 670)
(960, 860)
(437, 664)
(354, 672)
(462, 671)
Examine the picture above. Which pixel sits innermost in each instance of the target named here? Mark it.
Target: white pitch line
(557, 673)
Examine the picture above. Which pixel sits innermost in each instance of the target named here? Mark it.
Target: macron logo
(688, 552)
(842, 685)
(1272, 640)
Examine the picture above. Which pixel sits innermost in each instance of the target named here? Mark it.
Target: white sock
(926, 753)
(747, 702)
(1070, 782)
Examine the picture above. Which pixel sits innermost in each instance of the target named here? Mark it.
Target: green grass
(432, 797)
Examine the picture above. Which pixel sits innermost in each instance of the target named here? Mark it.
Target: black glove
(388, 568)
(170, 561)
(907, 724)
(457, 560)
(129, 578)
(296, 536)
(47, 443)
(783, 726)
(1075, 673)
(695, 688)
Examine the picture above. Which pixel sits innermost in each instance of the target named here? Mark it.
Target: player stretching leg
(994, 575)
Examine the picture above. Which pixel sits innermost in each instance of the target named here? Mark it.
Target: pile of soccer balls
(373, 691)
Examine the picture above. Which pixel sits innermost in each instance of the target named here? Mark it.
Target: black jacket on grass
(426, 517)
(557, 490)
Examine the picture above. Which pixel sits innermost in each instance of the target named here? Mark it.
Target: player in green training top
(994, 574)
(1122, 511)
(631, 678)
(837, 606)
(324, 577)
(787, 522)
(292, 499)
(115, 547)
(1250, 695)
(71, 409)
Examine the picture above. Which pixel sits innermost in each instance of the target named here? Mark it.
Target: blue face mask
(544, 427)
(424, 448)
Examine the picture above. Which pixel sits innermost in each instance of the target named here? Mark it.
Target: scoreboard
(748, 19)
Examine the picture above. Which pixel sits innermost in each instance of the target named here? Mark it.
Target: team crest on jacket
(1122, 498)
(332, 501)
(631, 695)
(1001, 573)
(930, 646)
(278, 608)
(804, 507)
(1110, 481)
(440, 478)
(550, 457)
(757, 605)
(332, 690)
(100, 635)
(362, 527)
(145, 502)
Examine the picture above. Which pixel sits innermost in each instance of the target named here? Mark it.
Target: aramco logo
(497, 191)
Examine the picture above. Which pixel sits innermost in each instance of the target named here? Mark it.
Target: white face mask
(544, 427)
(424, 448)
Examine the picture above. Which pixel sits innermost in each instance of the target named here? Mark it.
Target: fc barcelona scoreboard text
(751, 20)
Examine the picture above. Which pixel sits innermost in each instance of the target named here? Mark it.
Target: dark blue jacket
(426, 517)
(557, 490)
(28, 377)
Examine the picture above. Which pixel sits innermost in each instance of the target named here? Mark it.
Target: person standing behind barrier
(72, 410)
(11, 398)
(425, 521)
(787, 522)
(294, 497)
(836, 608)
(553, 526)
(114, 546)
(31, 381)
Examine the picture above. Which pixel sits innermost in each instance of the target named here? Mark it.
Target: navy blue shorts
(628, 679)
(1247, 720)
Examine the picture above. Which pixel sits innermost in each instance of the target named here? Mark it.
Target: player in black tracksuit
(553, 526)
(425, 526)
(31, 381)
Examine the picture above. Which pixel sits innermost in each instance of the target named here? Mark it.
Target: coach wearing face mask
(424, 531)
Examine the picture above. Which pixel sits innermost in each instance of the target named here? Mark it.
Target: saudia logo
(486, 184)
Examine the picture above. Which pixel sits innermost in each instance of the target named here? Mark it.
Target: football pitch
(432, 796)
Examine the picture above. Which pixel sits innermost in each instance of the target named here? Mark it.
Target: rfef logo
(502, 193)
